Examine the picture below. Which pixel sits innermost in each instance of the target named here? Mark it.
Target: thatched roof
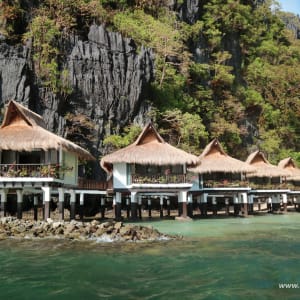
(214, 159)
(263, 168)
(24, 130)
(289, 165)
(149, 149)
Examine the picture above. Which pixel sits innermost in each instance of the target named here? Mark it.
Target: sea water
(229, 258)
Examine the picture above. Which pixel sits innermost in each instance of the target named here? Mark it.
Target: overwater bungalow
(35, 161)
(268, 182)
(289, 165)
(148, 168)
(221, 179)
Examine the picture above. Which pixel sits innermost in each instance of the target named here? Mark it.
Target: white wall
(120, 176)
(70, 161)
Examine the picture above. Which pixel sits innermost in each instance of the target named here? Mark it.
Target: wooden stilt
(102, 208)
(127, 208)
(134, 211)
(168, 207)
(214, 205)
(3, 202)
(161, 210)
(149, 209)
(184, 209)
(140, 207)
(61, 201)
(227, 206)
(46, 200)
(81, 206)
(133, 205)
(72, 205)
(35, 207)
(19, 204)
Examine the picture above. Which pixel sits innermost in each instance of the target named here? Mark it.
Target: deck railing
(225, 183)
(30, 170)
(159, 178)
(90, 184)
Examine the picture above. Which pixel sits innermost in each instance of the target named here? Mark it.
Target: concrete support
(190, 205)
(227, 206)
(203, 207)
(214, 205)
(284, 201)
(244, 201)
(46, 201)
(199, 203)
(250, 203)
(269, 204)
(168, 207)
(258, 204)
(118, 206)
(133, 204)
(72, 204)
(236, 204)
(102, 208)
(140, 207)
(161, 206)
(275, 202)
(35, 207)
(81, 206)
(19, 204)
(61, 201)
(127, 208)
(149, 208)
(183, 198)
(3, 194)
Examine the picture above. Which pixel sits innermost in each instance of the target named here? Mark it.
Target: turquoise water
(218, 259)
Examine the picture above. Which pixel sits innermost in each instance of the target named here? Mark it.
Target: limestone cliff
(108, 78)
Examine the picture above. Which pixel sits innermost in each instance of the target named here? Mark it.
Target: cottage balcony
(225, 184)
(158, 178)
(31, 170)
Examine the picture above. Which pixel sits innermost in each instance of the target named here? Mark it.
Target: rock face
(108, 78)
(108, 231)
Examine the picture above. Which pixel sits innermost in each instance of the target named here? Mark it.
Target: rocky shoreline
(109, 231)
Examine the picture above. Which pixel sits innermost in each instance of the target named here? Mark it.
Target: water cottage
(35, 161)
(268, 181)
(221, 179)
(148, 168)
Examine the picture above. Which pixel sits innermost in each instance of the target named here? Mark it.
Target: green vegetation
(242, 86)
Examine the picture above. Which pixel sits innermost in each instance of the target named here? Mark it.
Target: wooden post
(140, 207)
(149, 208)
(284, 201)
(168, 207)
(35, 207)
(46, 200)
(183, 197)
(161, 205)
(214, 205)
(81, 205)
(3, 193)
(227, 206)
(127, 208)
(118, 203)
(190, 205)
(102, 207)
(72, 204)
(244, 200)
(236, 205)
(258, 204)
(133, 204)
(204, 204)
(61, 201)
(19, 203)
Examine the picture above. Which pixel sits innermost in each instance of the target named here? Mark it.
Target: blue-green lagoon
(220, 258)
